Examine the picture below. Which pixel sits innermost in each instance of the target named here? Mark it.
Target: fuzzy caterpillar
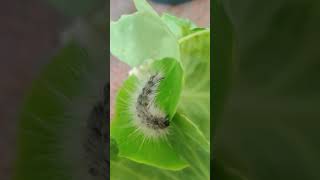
(152, 121)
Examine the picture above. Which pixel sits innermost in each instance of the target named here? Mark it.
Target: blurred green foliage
(269, 125)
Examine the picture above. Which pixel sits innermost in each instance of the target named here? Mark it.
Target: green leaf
(142, 36)
(188, 140)
(135, 145)
(192, 145)
(195, 99)
(180, 27)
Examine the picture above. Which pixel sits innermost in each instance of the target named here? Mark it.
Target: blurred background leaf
(43, 137)
(269, 126)
(33, 32)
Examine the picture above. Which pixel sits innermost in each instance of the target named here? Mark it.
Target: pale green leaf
(195, 99)
(180, 27)
(141, 36)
